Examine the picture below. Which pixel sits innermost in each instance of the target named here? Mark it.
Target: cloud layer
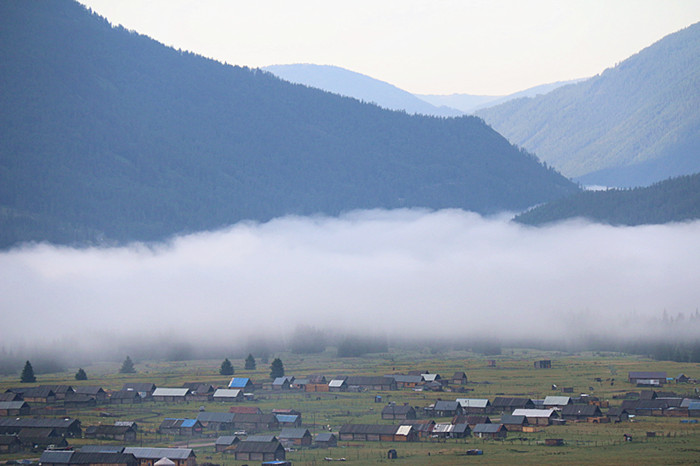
(403, 272)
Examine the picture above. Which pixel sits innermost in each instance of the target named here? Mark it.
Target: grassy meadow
(514, 375)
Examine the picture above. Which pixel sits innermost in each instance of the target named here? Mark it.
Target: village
(273, 420)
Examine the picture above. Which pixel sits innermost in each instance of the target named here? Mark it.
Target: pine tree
(250, 363)
(226, 368)
(80, 375)
(276, 368)
(28, 374)
(127, 366)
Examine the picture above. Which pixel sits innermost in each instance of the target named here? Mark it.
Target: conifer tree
(276, 368)
(80, 375)
(226, 368)
(28, 374)
(250, 363)
(127, 366)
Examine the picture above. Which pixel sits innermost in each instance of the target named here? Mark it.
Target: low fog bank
(404, 274)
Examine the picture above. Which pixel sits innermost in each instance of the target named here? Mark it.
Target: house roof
(57, 389)
(294, 433)
(215, 417)
(442, 428)
(478, 419)
(510, 402)
(400, 378)
(581, 410)
(88, 389)
(509, 419)
(430, 377)
(34, 423)
(474, 402)
(158, 453)
(557, 400)
(324, 437)
(461, 428)
(228, 393)
(534, 412)
(368, 380)
(336, 383)
(260, 438)
(694, 405)
(126, 394)
(404, 430)
(171, 392)
(392, 408)
(488, 428)
(102, 449)
(239, 382)
(444, 405)
(259, 447)
(13, 404)
(226, 440)
(139, 386)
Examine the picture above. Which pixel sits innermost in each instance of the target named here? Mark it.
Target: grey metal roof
(171, 391)
(487, 428)
(158, 453)
(533, 412)
(374, 429)
(215, 417)
(510, 419)
(474, 402)
(102, 449)
(556, 400)
(56, 456)
(444, 405)
(324, 437)
(260, 438)
(293, 432)
(12, 404)
(226, 440)
(227, 393)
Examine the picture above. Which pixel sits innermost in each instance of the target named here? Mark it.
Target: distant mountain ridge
(109, 136)
(672, 200)
(632, 125)
(359, 86)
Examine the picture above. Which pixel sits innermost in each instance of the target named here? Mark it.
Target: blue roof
(694, 405)
(238, 382)
(188, 422)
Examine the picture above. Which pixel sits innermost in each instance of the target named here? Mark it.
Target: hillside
(632, 125)
(469, 103)
(351, 84)
(673, 200)
(107, 135)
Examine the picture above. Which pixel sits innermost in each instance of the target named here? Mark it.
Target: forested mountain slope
(351, 84)
(673, 200)
(107, 135)
(634, 124)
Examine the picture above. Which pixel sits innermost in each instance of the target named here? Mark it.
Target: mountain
(672, 200)
(632, 125)
(108, 136)
(469, 103)
(351, 84)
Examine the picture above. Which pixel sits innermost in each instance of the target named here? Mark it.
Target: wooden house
(459, 378)
(326, 440)
(226, 443)
(38, 439)
(538, 417)
(184, 427)
(282, 383)
(94, 391)
(423, 427)
(59, 390)
(507, 405)
(36, 394)
(111, 432)
(242, 383)
(14, 408)
(10, 444)
(288, 420)
(371, 382)
(124, 397)
(255, 422)
(259, 451)
(406, 381)
(475, 405)
(79, 400)
(245, 410)
(514, 423)
(490, 431)
(392, 411)
(647, 378)
(11, 396)
(150, 456)
(64, 427)
(297, 436)
(200, 391)
(216, 421)
(338, 385)
(144, 389)
(443, 408)
(617, 415)
(367, 432)
(543, 364)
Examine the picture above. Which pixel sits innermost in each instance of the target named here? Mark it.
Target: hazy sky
(407, 272)
(422, 46)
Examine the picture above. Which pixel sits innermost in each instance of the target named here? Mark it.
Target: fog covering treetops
(109, 136)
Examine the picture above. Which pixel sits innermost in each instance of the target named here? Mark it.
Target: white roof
(429, 377)
(164, 462)
(170, 391)
(336, 383)
(404, 430)
(442, 428)
(473, 402)
(533, 412)
(227, 393)
(556, 400)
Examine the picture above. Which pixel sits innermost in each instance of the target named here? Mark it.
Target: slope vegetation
(632, 125)
(107, 135)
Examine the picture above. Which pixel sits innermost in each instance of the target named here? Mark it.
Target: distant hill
(351, 84)
(673, 200)
(469, 103)
(632, 125)
(107, 135)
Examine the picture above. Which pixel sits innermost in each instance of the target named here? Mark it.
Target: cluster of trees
(673, 200)
(146, 142)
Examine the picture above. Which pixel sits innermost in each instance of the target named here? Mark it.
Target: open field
(514, 375)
